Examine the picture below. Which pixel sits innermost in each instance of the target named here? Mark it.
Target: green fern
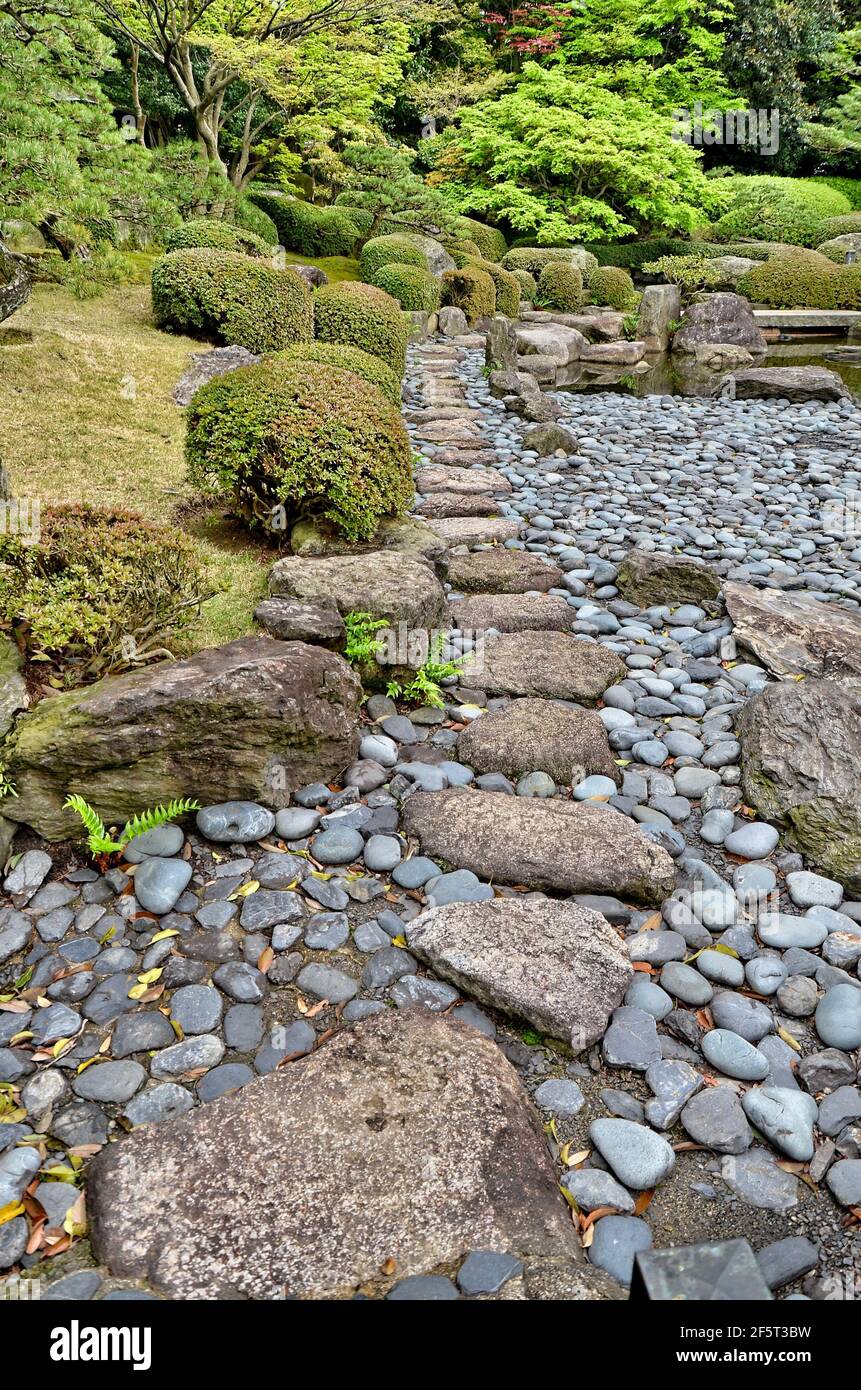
(362, 644)
(100, 842)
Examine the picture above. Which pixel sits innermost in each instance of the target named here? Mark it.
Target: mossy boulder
(647, 577)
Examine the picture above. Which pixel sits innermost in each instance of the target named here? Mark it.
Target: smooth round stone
(685, 983)
(295, 822)
(844, 1179)
(780, 930)
(224, 1079)
(486, 1271)
(326, 983)
(460, 886)
(196, 1008)
(415, 872)
(164, 1102)
(536, 784)
(561, 1096)
(714, 1117)
(163, 841)
(765, 974)
(326, 931)
(812, 890)
(160, 883)
(592, 1188)
(617, 1240)
(753, 882)
(838, 1018)
(651, 752)
(716, 826)
(798, 996)
(747, 1017)
(643, 994)
(638, 1157)
(110, 1081)
(752, 841)
(693, 782)
(379, 749)
(596, 787)
(720, 968)
(365, 775)
(657, 947)
(423, 1288)
(235, 822)
(340, 845)
(785, 1117)
(382, 853)
(204, 1051)
(717, 908)
(733, 1056)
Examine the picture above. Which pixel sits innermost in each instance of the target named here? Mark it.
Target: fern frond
(156, 816)
(98, 840)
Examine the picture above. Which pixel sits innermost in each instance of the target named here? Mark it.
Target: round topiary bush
(609, 284)
(365, 317)
(306, 229)
(491, 243)
(411, 285)
(847, 287)
(388, 250)
(92, 578)
(841, 226)
(779, 209)
(471, 290)
(528, 284)
(349, 359)
(506, 286)
(253, 219)
(561, 286)
(287, 440)
(791, 282)
(220, 236)
(462, 252)
(231, 298)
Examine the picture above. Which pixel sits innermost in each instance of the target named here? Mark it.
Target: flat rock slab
(539, 736)
(548, 664)
(560, 967)
(206, 366)
(468, 530)
(786, 383)
(575, 847)
(240, 1198)
(466, 481)
(500, 571)
(383, 583)
(214, 727)
(292, 620)
(621, 354)
(447, 504)
(513, 613)
(793, 634)
(647, 578)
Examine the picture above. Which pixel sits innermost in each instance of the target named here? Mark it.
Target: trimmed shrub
(411, 285)
(364, 317)
(528, 284)
(490, 241)
(462, 252)
(471, 290)
(778, 209)
(847, 287)
(219, 236)
(836, 250)
(287, 440)
(253, 219)
(507, 288)
(561, 286)
(841, 226)
(850, 188)
(791, 282)
(231, 298)
(690, 273)
(535, 258)
(349, 359)
(633, 255)
(306, 229)
(93, 577)
(388, 250)
(612, 285)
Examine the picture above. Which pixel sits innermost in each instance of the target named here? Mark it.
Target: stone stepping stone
(450, 432)
(512, 613)
(500, 571)
(560, 967)
(551, 665)
(468, 530)
(575, 847)
(539, 735)
(448, 504)
(168, 1206)
(464, 481)
(293, 620)
(386, 583)
(466, 458)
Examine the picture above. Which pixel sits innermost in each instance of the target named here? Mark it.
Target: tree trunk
(140, 117)
(14, 283)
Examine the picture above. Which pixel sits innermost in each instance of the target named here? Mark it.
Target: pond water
(666, 374)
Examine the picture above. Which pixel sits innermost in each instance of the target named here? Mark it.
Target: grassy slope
(86, 415)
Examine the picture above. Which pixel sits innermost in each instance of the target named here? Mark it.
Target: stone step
(468, 530)
(567, 743)
(464, 481)
(448, 504)
(451, 432)
(566, 846)
(465, 457)
(513, 613)
(500, 571)
(548, 664)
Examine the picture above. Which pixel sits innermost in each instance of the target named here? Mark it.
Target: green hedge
(528, 284)
(219, 236)
(471, 290)
(462, 252)
(790, 282)
(253, 219)
(505, 284)
(612, 285)
(847, 287)
(489, 240)
(850, 188)
(690, 273)
(231, 298)
(779, 209)
(306, 229)
(561, 286)
(92, 578)
(411, 285)
(364, 317)
(349, 359)
(388, 250)
(285, 440)
(841, 226)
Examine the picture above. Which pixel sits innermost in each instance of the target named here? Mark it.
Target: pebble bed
(242, 941)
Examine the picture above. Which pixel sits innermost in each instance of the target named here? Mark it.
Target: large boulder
(500, 571)
(722, 357)
(560, 967)
(785, 383)
(837, 246)
(719, 318)
(500, 349)
(728, 270)
(801, 749)
(795, 635)
(660, 307)
(548, 664)
(13, 687)
(437, 259)
(565, 846)
(249, 721)
(620, 354)
(14, 282)
(553, 341)
(539, 735)
(550, 439)
(648, 577)
(206, 366)
(392, 1151)
(384, 583)
(511, 613)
